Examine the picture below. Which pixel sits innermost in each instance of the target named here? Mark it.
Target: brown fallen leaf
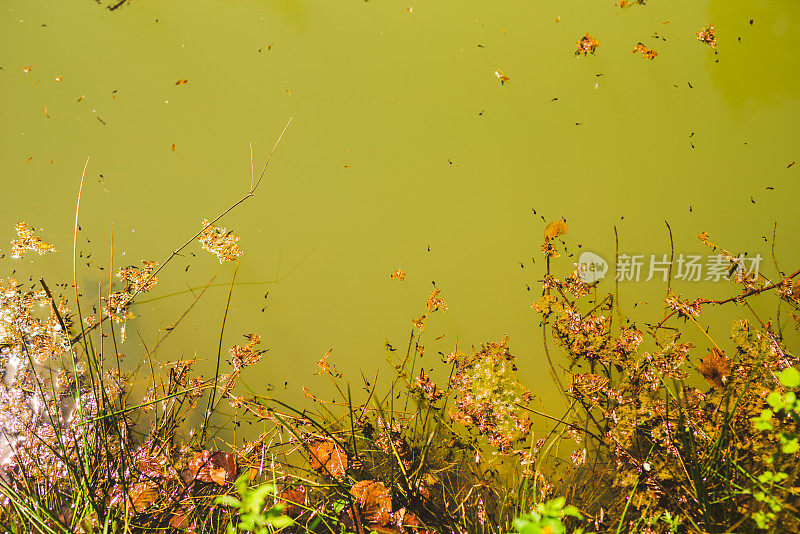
(294, 499)
(142, 495)
(218, 467)
(374, 502)
(716, 368)
(331, 456)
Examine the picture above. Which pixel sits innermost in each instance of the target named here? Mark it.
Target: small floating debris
(647, 53)
(220, 242)
(708, 35)
(502, 77)
(587, 45)
(26, 240)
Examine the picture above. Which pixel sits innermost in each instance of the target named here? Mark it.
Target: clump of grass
(664, 452)
(668, 438)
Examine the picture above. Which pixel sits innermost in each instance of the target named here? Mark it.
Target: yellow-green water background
(405, 151)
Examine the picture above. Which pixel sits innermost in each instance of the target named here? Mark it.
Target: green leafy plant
(769, 486)
(546, 518)
(251, 504)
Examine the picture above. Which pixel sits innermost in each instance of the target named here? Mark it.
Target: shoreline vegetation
(666, 437)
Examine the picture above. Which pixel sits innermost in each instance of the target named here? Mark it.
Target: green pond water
(404, 151)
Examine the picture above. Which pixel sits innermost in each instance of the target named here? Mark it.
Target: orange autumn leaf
(294, 500)
(554, 229)
(716, 368)
(218, 467)
(181, 82)
(142, 495)
(326, 456)
(374, 502)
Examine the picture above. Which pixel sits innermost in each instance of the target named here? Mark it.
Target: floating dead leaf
(327, 454)
(374, 501)
(716, 368)
(181, 82)
(554, 229)
(27, 69)
(142, 495)
(295, 500)
(218, 467)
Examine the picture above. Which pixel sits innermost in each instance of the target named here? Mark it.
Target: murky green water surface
(405, 151)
